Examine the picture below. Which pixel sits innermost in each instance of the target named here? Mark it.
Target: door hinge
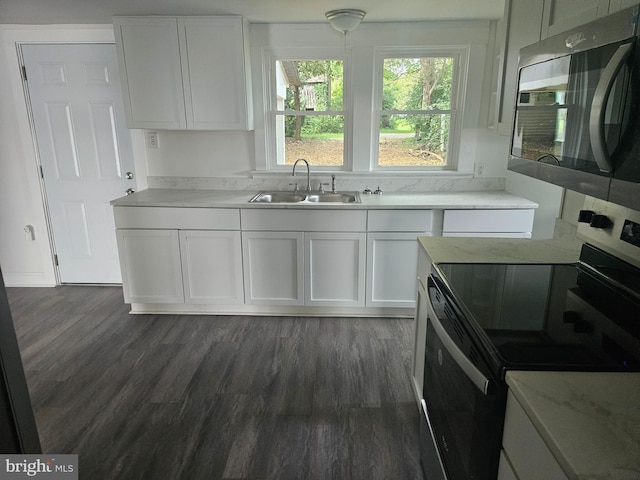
(24, 73)
(55, 260)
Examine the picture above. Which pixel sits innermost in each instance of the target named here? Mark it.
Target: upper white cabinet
(562, 15)
(519, 27)
(185, 72)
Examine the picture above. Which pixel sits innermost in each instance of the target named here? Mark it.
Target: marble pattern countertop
(590, 421)
(501, 250)
(173, 197)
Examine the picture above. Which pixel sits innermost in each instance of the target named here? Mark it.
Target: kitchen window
(416, 111)
(306, 116)
(398, 110)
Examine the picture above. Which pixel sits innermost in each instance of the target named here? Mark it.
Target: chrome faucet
(308, 172)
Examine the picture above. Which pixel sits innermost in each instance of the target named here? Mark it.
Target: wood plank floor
(216, 397)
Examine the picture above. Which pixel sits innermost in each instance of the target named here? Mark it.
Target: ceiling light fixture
(345, 19)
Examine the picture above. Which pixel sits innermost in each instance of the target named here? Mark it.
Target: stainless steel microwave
(577, 110)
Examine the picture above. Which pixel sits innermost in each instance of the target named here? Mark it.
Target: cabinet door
(335, 269)
(524, 18)
(212, 266)
(420, 342)
(562, 15)
(150, 264)
(273, 265)
(215, 71)
(149, 59)
(392, 269)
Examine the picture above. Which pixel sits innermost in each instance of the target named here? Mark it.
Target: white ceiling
(256, 11)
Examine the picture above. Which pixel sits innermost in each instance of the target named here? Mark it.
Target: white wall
(25, 262)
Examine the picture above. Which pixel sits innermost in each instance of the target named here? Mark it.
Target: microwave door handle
(599, 106)
(469, 369)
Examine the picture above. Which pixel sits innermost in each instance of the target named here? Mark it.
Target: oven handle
(599, 106)
(479, 379)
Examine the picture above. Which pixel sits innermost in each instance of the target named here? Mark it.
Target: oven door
(463, 407)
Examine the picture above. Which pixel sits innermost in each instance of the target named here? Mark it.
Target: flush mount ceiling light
(345, 19)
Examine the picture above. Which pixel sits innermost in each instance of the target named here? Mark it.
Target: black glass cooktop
(562, 317)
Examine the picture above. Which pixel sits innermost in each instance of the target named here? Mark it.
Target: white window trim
(270, 56)
(460, 54)
(363, 104)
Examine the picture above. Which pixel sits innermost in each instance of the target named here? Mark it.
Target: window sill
(376, 174)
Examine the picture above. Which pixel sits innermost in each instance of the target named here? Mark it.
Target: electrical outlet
(151, 139)
(479, 169)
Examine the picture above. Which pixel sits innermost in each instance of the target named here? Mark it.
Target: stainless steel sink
(306, 197)
(278, 197)
(334, 198)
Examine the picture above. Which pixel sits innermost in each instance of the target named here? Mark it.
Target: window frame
(459, 74)
(270, 57)
(360, 154)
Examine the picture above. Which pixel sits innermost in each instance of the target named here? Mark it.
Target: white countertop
(590, 421)
(500, 250)
(169, 197)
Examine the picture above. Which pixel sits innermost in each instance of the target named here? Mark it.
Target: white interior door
(85, 152)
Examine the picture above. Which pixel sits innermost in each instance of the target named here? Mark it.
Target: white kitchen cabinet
(525, 450)
(185, 72)
(180, 255)
(519, 27)
(212, 267)
(392, 264)
(335, 269)
(304, 257)
(273, 264)
(562, 15)
(150, 265)
(392, 254)
(516, 223)
(420, 324)
(150, 71)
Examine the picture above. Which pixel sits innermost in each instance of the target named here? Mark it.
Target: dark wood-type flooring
(216, 397)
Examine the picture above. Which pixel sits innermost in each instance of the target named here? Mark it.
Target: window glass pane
(309, 85)
(413, 140)
(317, 138)
(417, 83)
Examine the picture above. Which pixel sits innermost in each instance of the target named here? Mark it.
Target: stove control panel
(611, 227)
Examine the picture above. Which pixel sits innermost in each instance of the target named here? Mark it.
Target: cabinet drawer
(177, 218)
(304, 220)
(400, 221)
(518, 220)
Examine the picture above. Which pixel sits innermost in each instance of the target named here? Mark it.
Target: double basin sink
(306, 197)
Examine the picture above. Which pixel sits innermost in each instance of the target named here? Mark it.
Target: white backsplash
(346, 183)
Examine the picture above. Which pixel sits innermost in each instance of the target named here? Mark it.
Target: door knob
(128, 175)
(129, 191)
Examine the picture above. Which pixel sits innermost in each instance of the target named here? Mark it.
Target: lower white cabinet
(392, 266)
(181, 266)
(304, 268)
(273, 268)
(211, 267)
(516, 223)
(150, 265)
(525, 452)
(392, 254)
(335, 269)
